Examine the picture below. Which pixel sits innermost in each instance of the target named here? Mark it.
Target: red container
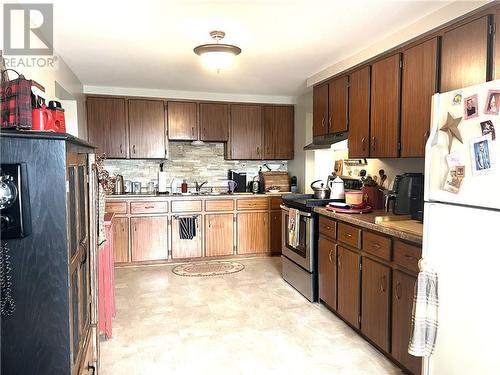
(45, 119)
(373, 197)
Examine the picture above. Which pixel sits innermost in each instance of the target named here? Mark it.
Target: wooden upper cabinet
(464, 55)
(245, 140)
(403, 287)
(385, 88)
(359, 113)
(320, 110)
(348, 285)
(375, 299)
(214, 122)
(278, 132)
(182, 121)
(107, 126)
(419, 84)
(147, 129)
(337, 105)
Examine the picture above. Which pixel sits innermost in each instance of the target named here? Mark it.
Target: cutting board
(275, 178)
(410, 226)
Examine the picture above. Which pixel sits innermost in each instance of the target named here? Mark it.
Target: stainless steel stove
(300, 263)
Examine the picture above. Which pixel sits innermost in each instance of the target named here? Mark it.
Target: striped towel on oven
(425, 313)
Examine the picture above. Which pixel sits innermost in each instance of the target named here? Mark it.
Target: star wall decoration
(451, 128)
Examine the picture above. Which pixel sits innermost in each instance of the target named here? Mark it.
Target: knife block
(373, 196)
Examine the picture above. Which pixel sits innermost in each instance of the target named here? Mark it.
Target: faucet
(198, 186)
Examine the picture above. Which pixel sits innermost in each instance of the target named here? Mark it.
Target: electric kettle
(337, 190)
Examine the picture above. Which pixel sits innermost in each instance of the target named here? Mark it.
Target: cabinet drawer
(116, 207)
(275, 203)
(327, 227)
(148, 207)
(252, 204)
(349, 235)
(377, 245)
(219, 205)
(406, 255)
(186, 206)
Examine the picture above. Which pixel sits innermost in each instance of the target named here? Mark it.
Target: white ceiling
(149, 44)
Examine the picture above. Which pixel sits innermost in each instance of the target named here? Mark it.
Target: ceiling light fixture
(217, 55)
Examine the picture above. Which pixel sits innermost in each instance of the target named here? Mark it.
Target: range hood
(321, 142)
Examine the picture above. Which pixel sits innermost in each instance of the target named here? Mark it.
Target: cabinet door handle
(363, 143)
(121, 148)
(330, 121)
(375, 245)
(373, 143)
(258, 150)
(133, 149)
(148, 207)
(398, 290)
(323, 122)
(348, 235)
(383, 284)
(340, 261)
(330, 255)
(210, 223)
(192, 131)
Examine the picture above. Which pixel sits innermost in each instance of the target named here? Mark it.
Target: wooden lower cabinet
(327, 262)
(120, 239)
(185, 248)
(375, 300)
(253, 232)
(403, 286)
(219, 234)
(149, 238)
(348, 285)
(275, 231)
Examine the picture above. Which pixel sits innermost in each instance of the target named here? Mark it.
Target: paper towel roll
(162, 182)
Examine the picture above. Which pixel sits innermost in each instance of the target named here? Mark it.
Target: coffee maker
(409, 195)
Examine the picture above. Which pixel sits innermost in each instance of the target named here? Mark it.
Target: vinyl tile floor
(250, 322)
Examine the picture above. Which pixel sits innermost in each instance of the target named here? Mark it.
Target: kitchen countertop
(367, 221)
(193, 196)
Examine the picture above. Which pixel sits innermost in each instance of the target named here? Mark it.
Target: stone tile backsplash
(190, 163)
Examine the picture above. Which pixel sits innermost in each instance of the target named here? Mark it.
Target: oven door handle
(301, 213)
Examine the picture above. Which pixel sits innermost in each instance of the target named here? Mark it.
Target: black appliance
(241, 181)
(409, 191)
(300, 263)
(15, 215)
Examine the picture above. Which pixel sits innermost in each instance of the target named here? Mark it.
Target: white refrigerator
(462, 229)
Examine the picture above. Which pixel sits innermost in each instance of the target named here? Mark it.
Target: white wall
(432, 21)
(303, 164)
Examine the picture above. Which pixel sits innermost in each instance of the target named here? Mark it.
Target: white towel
(425, 314)
(293, 227)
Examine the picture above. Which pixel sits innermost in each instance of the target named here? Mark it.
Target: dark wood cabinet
(403, 286)
(348, 285)
(375, 299)
(320, 110)
(338, 104)
(107, 125)
(278, 127)
(418, 85)
(182, 118)
(214, 122)
(149, 238)
(359, 113)
(275, 231)
(245, 140)
(496, 45)
(464, 55)
(147, 129)
(385, 90)
(120, 239)
(327, 263)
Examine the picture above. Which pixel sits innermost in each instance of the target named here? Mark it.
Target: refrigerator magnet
(492, 104)
(470, 107)
(488, 128)
(457, 98)
(481, 155)
(454, 179)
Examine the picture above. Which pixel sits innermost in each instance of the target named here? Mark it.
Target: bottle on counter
(184, 187)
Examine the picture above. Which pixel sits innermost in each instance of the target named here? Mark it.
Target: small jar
(184, 187)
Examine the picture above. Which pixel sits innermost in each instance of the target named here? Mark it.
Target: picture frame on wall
(471, 107)
(492, 102)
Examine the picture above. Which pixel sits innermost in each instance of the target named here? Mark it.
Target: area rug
(214, 268)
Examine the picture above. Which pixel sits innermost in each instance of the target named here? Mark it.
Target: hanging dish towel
(425, 313)
(293, 227)
(187, 228)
